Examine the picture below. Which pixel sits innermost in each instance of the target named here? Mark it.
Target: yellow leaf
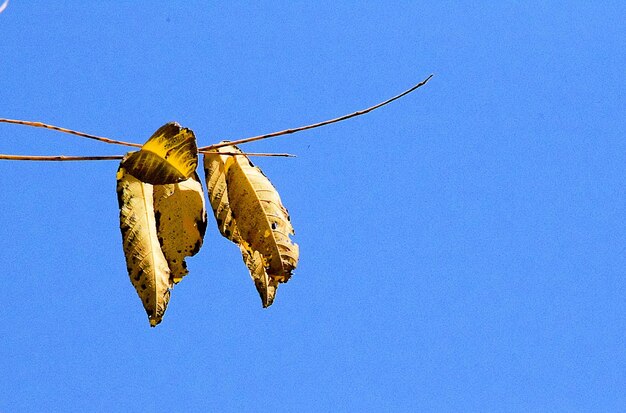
(180, 216)
(265, 285)
(261, 218)
(147, 266)
(215, 173)
(250, 213)
(169, 156)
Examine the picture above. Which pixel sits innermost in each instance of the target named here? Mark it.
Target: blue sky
(462, 249)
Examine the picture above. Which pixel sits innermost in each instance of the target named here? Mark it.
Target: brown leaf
(250, 213)
(147, 266)
(180, 216)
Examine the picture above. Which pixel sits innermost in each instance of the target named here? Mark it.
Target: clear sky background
(462, 249)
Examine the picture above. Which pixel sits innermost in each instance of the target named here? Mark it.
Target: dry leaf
(146, 264)
(214, 165)
(215, 174)
(162, 214)
(261, 218)
(169, 156)
(180, 216)
(250, 213)
(265, 285)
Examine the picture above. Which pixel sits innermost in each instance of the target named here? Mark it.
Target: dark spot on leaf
(201, 224)
(196, 247)
(227, 232)
(273, 225)
(144, 286)
(157, 218)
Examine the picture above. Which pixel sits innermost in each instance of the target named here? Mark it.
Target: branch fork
(204, 149)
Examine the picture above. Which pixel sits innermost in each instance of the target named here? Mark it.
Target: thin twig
(205, 149)
(285, 155)
(102, 139)
(70, 131)
(60, 158)
(317, 125)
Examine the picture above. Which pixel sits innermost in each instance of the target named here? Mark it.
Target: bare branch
(99, 138)
(285, 155)
(205, 149)
(70, 131)
(317, 125)
(59, 158)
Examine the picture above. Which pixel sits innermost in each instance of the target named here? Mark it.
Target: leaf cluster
(163, 216)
